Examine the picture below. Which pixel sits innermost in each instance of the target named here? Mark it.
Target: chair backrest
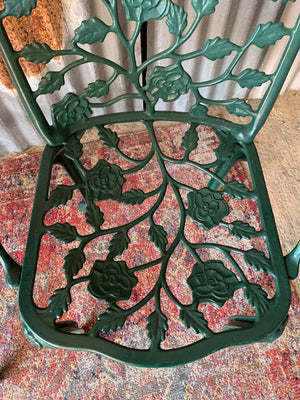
(153, 74)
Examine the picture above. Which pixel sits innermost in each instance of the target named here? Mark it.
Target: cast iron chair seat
(211, 272)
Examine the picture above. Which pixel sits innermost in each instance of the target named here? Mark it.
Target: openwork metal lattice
(216, 270)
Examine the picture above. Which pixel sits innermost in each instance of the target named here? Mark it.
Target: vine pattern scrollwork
(111, 280)
(167, 83)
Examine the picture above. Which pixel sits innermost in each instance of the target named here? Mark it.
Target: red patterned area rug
(258, 371)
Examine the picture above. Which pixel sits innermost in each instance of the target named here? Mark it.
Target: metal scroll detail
(112, 280)
(168, 82)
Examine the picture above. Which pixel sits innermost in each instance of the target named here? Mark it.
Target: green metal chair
(112, 279)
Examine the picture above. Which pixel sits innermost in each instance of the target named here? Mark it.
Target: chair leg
(12, 269)
(70, 168)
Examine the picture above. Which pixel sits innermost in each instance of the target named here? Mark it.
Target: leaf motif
(195, 320)
(74, 261)
(190, 139)
(157, 325)
(91, 31)
(108, 137)
(118, 244)
(98, 88)
(93, 215)
(236, 190)
(257, 260)
(256, 297)
(66, 233)
(58, 303)
(133, 197)
(223, 134)
(240, 108)
(242, 230)
(50, 82)
(18, 8)
(218, 48)
(267, 34)
(227, 146)
(60, 195)
(250, 78)
(198, 110)
(111, 320)
(176, 20)
(204, 7)
(158, 236)
(37, 53)
(73, 148)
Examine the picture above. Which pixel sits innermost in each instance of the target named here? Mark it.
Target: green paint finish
(144, 10)
(212, 282)
(110, 279)
(71, 110)
(17, 8)
(207, 207)
(167, 83)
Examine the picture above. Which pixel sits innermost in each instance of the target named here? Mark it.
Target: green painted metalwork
(76, 109)
(113, 280)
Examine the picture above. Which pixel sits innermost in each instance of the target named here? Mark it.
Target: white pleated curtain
(234, 19)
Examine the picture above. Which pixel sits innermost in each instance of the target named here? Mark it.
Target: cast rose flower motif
(207, 207)
(72, 109)
(111, 281)
(104, 181)
(143, 10)
(212, 282)
(168, 83)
